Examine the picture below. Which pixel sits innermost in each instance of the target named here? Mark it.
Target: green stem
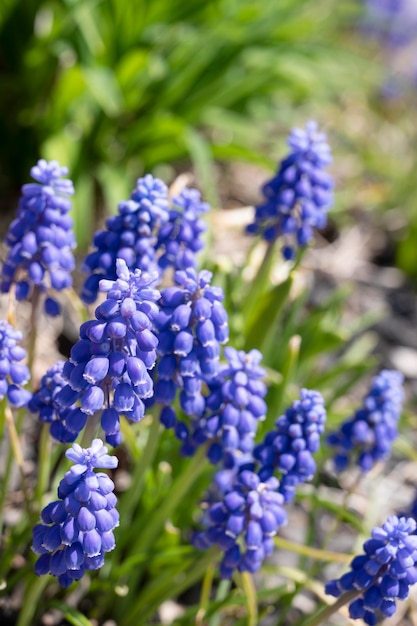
(178, 489)
(336, 522)
(131, 498)
(222, 591)
(44, 464)
(31, 601)
(258, 283)
(90, 430)
(153, 595)
(323, 614)
(288, 370)
(313, 553)
(152, 526)
(18, 454)
(34, 315)
(250, 595)
(205, 595)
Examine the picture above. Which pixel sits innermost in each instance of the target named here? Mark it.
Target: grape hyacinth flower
(191, 325)
(297, 198)
(43, 402)
(13, 373)
(108, 366)
(289, 448)
(77, 529)
(241, 520)
(367, 437)
(393, 22)
(383, 573)
(179, 239)
(233, 408)
(40, 259)
(130, 235)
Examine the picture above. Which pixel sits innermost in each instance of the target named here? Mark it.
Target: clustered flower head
(394, 22)
(180, 239)
(13, 373)
(43, 402)
(289, 448)
(77, 529)
(297, 198)
(108, 366)
(244, 508)
(41, 237)
(245, 515)
(191, 325)
(233, 407)
(130, 235)
(383, 573)
(367, 437)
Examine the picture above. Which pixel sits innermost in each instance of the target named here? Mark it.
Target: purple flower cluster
(242, 520)
(233, 408)
(130, 235)
(41, 237)
(108, 366)
(179, 239)
(384, 573)
(191, 325)
(367, 437)
(297, 198)
(394, 22)
(43, 402)
(77, 529)
(289, 448)
(13, 373)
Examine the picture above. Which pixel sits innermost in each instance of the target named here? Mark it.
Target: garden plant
(198, 412)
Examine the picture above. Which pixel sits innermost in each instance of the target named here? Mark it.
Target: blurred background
(118, 88)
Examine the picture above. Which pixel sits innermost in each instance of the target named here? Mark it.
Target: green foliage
(96, 84)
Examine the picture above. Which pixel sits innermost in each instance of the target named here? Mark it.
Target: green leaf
(74, 617)
(104, 89)
(202, 159)
(266, 314)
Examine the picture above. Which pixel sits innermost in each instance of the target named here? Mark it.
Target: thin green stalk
(31, 601)
(131, 498)
(205, 595)
(34, 324)
(90, 430)
(323, 614)
(152, 527)
(336, 522)
(151, 597)
(4, 487)
(178, 489)
(44, 464)
(18, 455)
(222, 591)
(259, 282)
(288, 370)
(249, 590)
(313, 553)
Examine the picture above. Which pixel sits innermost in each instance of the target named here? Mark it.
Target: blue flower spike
(41, 238)
(131, 235)
(290, 447)
(298, 197)
(77, 529)
(192, 324)
(233, 408)
(108, 366)
(367, 437)
(13, 373)
(243, 516)
(383, 573)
